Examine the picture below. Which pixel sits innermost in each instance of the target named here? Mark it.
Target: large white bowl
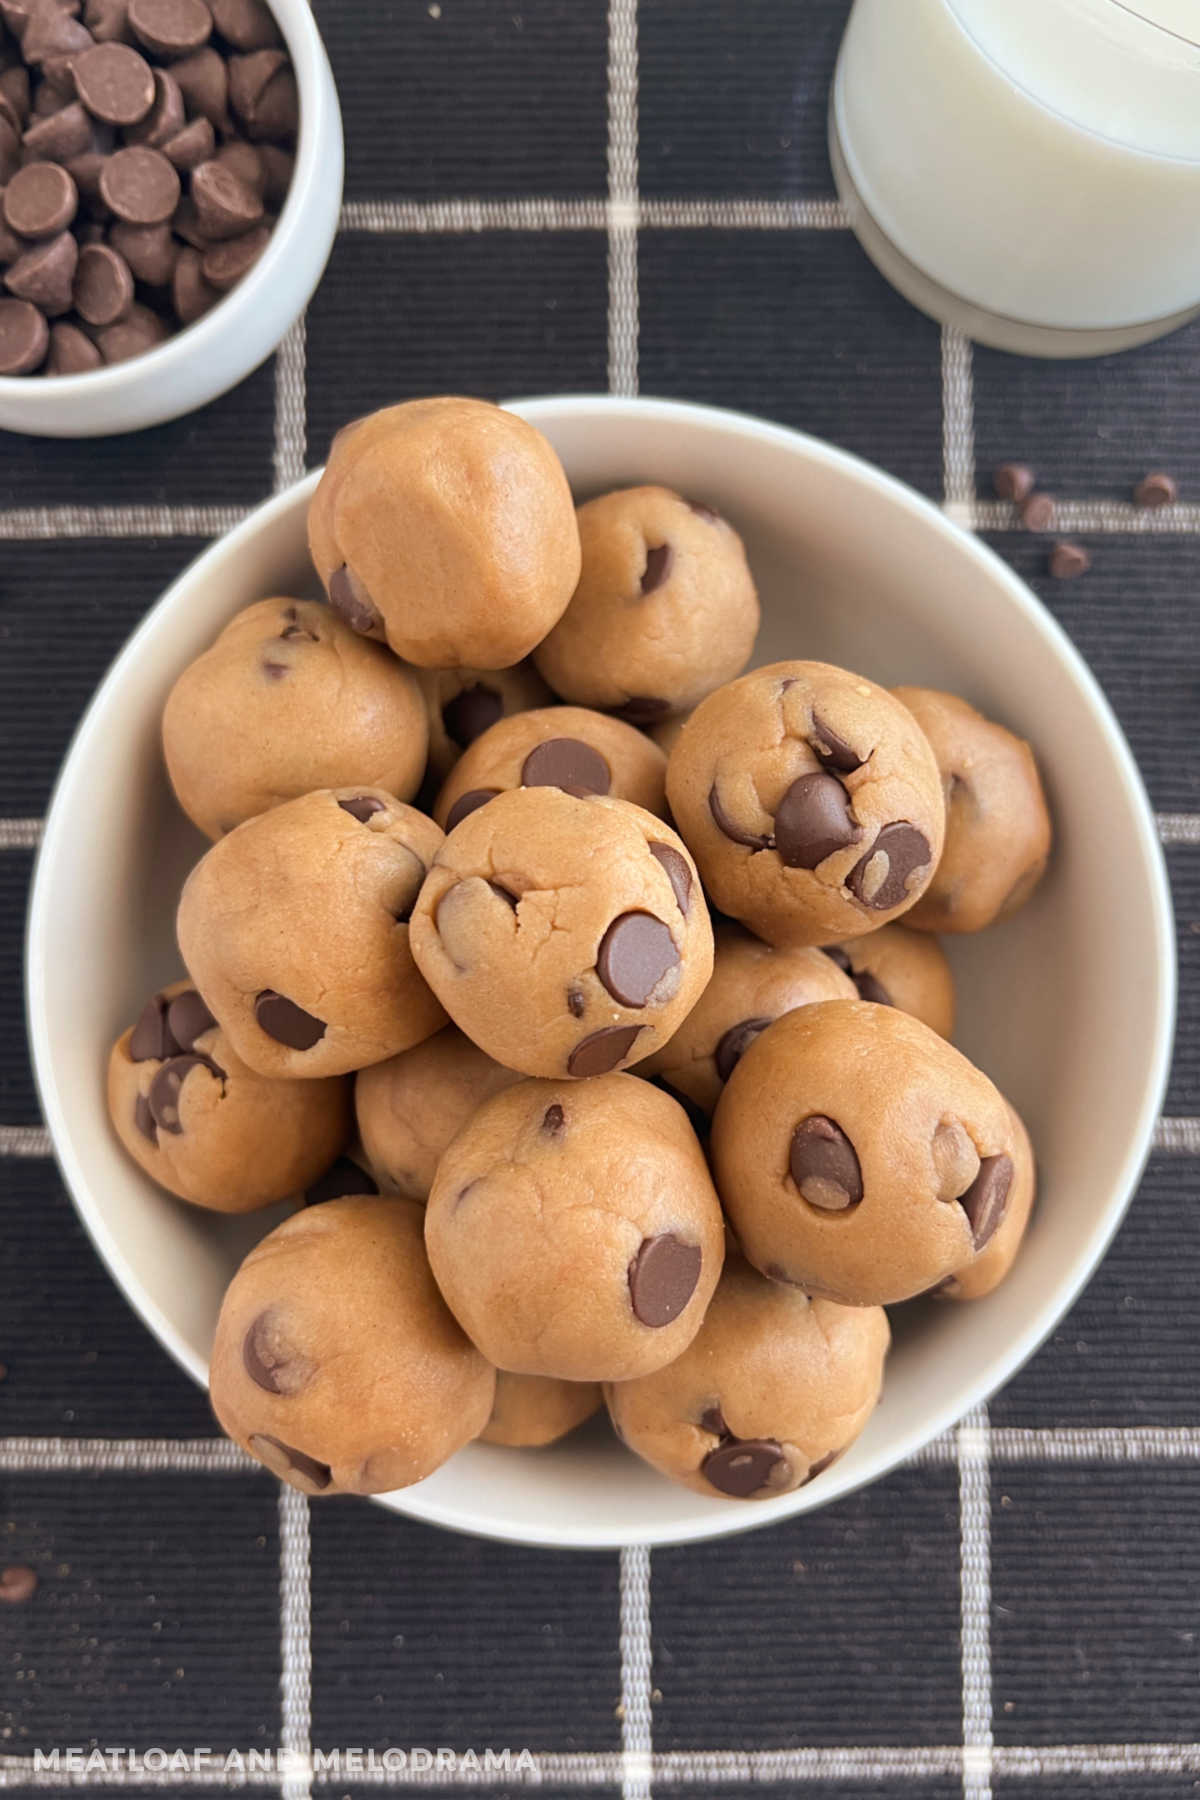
(1069, 1006)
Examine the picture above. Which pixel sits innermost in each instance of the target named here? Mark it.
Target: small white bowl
(1069, 1006)
(221, 349)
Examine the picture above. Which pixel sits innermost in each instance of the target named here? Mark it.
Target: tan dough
(410, 1106)
(464, 703)
(294, 927)
(665, 610)
(286, 700)
(811, 802)
(336, 1362)
(447, 527)
(859, 1156)
(992, 1264)
(556, 746)
(574, 1229)
(770, 1392)
(897, 967)
(532, 1410)
(997, 826)
(206, 1127)
(564, 935)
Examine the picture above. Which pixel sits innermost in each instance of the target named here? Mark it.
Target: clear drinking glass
(1028, 170)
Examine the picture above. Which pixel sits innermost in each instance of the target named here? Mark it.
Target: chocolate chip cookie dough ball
(993, 1263)
(997, 825)
(811, 802)
(771, 1390)
(565, 935)
(464, 703)
(533, 1410)
(897, 967)
(665, 610)
(751, 985)
(289, 699)
(410, 1106)
(447, 527)
(336, 1362)
(295, 928)
(575, 1231)
(556, 746)
(859, 1156)
(206, 1127)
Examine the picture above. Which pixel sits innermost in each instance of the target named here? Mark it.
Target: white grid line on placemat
(636, 1676)
(33, 524)
(432, 218)
(20, 834)
(958, 418)
(1179, 828)
(622, 197)
(295, 1641)
(975, 1583)
(291, 402)
(1111, 516)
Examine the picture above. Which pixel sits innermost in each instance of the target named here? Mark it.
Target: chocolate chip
(278, 165)
(225, 205)
(677, 871)
(171, 27)
(813, 820)
(14, 85)
(143, 1118)
(205, 84)
(471, 713)
(1037, 512)
(468, 803)
(576, 1004)
(114, 83)
(833, 750)
(24, 336)
(163, 1098)
(713, 1419)
(636, 955)
(268, 1366)
(642, 709)
(880, 878)
(70, 352)
(150, 251)
(193, 145)
(824, 1165)
(745, 1466)
(108, 20)
(734, 1044)
(1013, 481)
(40, 200)
(986, 1200)
(132, 336)
(347, 595)
(723, 822)
(45, 274)
(362, 807)
(17, 1584)
(1067, 561)
(659, 558)
(141, 186)
(284, 1459)
(103, 285)
(166, 118)
(553, 1121)
(188, 1018)
(246, 24)
(1155, 490)
(64, 134)
(191, 295)
(54, 39)
(837, 955)
(286, 1022)
(151, 1039)
(662, 1278)
(870, 988)
(276, 111)
(341, 1178)
(567, 763)
(603, 1050)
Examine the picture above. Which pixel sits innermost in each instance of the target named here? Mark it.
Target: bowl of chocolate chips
(170, 183)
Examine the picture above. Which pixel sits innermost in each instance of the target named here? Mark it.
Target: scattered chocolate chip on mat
(1037, 512)
(1013, 481)
(17, 1584)
(1068, 561)
(1155, 490)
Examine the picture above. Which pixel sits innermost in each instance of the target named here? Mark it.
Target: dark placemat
(556, 194)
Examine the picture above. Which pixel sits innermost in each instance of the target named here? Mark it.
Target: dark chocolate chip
(471, 713)
(576, 1004)
(837, 955)
(813, 820)
(261, 1359)
(662, 1278)
(713, 1419)
(188, 1018)
(1037, 512)
(205, 84)
(906, 850)
(143, 1118)
(291, 1459)
(468, 803)
(132, 336)
(553, 1121)
(734, 1044)
(567, 763)
(171, 27)
(52, 41)
(45, 275)
(225, 205)
(114, 83)
(745, 1466)
(286, 1022)
(40, 200)
(341, 1178)
(1013, 481)
(871, 988)
(603, 1050)
(1067, 562)
(24, 337)
(678, 873)
(362, 807)
(348, 597)
(659, 558)
(107, 20)
(824, 1165)
(246, 24)
(103, 285)
(151, 1039)
(17, 1585)
(723, 822)
(150, 251)
(986, 1200)
(64, 134)
(140, 185)
(642, 709)
(832, 749)
(1155, 490)
(191, 295)
(636, 954)
(278, 165)
(193, 145)
(70, 352)
(163, 1098)
(166, 118)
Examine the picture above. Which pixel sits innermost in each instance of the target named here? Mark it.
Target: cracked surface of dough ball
(811, 802)
(575, 1231)
(464, 703)
(446, 526)
(993, 1263)
(556, 746)
(336, 1362)
(897, 967)
(665, 609)
(533, 1410)
(770, 1392)
(289, 699)
(295, 929)
(859, 1155)
(206, 1127)
(410, 1106)
(564, 935)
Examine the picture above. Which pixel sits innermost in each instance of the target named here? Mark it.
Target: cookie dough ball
(991, 1266)
(997, 825)
(565, 935)
(295, 928)
(751, 985)
(575, 1231)
(771, 1390)
(665, 610)
(556, 746)
(859, 1156)
(811, 802)
(464, 703)
(410, 1106)
(336, 1362)
(532, 1410)
(289, 699)
(203, 1125)
(447, 527)
(898, 967)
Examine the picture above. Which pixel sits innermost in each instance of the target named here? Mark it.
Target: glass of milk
(1028, 170)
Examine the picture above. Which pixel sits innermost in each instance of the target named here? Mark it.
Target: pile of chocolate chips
(145, 149)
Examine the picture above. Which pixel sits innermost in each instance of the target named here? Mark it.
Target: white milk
(1027, 169)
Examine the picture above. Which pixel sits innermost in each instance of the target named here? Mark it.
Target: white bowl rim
(728, 1519)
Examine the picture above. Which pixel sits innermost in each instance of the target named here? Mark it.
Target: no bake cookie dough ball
(665, 610)
(464, 703)
(575, 1231)
(811, 802)
(565, 935)
(997, 826)
(410, 1106)
(751, 985)
(447, 527)
(771, 1390)
(206, 1127)
(294, 927)
(556, 746)
(859, 1155)
(289, 699)
(336, 1362)
(987, 1270)
(532, 1410)
(897, 967)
